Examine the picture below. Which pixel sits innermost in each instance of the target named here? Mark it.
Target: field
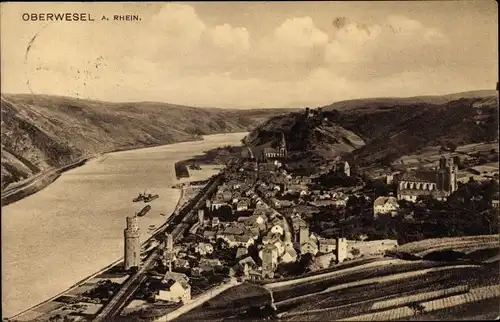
(229, 303)
(356, 301)
(321, 284)
(481, 310)
(424, 246)
(384, 290)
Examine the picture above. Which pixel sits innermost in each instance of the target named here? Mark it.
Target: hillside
(389, 127)
(41, 132)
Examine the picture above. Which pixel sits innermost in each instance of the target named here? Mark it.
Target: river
(72, 228)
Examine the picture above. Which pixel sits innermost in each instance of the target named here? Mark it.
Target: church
(438, 183)
(267, 152)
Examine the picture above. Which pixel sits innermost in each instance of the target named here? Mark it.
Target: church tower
(282, 146)
(447, 175)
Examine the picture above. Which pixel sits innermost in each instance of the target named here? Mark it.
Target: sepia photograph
(259, 160)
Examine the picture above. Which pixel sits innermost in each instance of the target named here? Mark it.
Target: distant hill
(371, 131)
(403, 101)
(42, 132)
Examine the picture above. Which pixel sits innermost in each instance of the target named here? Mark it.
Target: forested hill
(41, 132)
(380, 130)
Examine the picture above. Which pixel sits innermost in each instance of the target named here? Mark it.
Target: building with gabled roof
(174, 287)
(385, 205)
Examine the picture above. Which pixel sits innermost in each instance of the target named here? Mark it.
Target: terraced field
(357, 301)
(398, 266)
(481, 310)
(434, 244)
(229, 304)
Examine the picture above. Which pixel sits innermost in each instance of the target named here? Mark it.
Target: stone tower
(201, 217)
(132, 256)
(168, 252)
(303, 234)
(447, 175)
(341, 251)
(268, 261)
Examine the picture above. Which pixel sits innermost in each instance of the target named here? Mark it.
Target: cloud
(352, 42)
(397, 45)
(295, 40)
(178, 22)
(177, 55)
(225, 36)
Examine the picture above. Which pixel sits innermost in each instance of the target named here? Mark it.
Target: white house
(289, 256)
(242, 205)
(277, 228)
(175, 288)
(385, 205)
(327, 245)
(204, 248)
(309, 247)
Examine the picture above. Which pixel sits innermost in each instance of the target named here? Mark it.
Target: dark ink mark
(340, 22)
(26, 55)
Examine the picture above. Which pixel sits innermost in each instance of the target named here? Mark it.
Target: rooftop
(419, 176)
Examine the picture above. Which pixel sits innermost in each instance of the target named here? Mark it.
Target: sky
(251, 55)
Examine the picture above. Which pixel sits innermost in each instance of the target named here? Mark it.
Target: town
(263, 223)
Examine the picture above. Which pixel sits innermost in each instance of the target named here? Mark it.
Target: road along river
(72, 228)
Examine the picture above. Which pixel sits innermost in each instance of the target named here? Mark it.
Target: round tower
(132, 256)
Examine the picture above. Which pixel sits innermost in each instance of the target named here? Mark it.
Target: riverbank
(44, 179)
(40, 311)
(79, 219)
(38, 182)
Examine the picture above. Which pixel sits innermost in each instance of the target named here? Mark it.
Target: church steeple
(282, 146)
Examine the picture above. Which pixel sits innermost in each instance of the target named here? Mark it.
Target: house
(236, 228)
(209, 235)
(215, 222)
(245, 240)
(289, 255)
(385, 205)
(340, 202)
(495, 203)
(248, 260)
(260, 205)
(258, 219)
(241, 251)
(242, 205)
(310, 247)
(270, 238)
(217, 203)
(241, 269)
(175, 288)
(327, 245)
(277, 227)
(182, 263)
(209, 263)
(204, 248)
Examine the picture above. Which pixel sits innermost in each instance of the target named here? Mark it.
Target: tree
(355, 252)
(451, 146)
